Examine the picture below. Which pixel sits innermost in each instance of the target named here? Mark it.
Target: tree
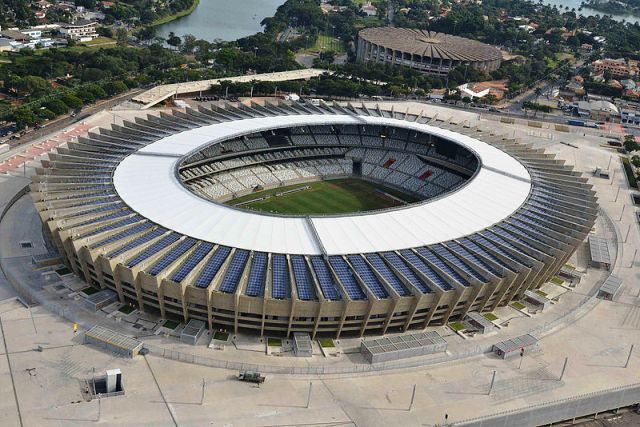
(72, 101)
(30, 84)
(146, 33)
(174, 40)
(57, 106)
(122, 37)
(24, 117)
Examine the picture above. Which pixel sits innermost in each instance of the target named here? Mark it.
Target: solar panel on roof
(304, 283)
(471, 246)
(128, 232)
(420, 265)
(196, 256)
(442, 251)
(255, 283)
(387, 274)
(175, 253)
(137, 242)
(368, 277)
(399, 265)
(154, 249)
(234, 271)
(433, 259)
(345, 275)
(112, 226)
(280, 277)
(327, 285)
(212, 267)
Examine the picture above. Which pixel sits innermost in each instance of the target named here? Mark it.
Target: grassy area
(175, 16)
(326, 342)
(126, 309)
(99, 41)
(327, 43)
(325, 197)
(556, 280)
(170, 324)
(541, 293)
(518, 305)
(63, 271)
(90, 290)
(456, 326)
(221, 336)
(274, 342)
(490, 316)
(629, 171)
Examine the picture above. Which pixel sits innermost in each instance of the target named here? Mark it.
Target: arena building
(426, 51)
(140, 209)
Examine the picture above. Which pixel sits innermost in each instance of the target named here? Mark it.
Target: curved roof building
(426, 51)
(138, 209)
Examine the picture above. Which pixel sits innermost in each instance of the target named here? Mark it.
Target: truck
(574, 122)
(251, 377)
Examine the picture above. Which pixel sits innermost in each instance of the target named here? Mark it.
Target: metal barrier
(547, 413)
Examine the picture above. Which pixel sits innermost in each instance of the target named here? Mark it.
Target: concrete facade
(519, 254)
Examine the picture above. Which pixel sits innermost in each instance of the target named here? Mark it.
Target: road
(63, 122)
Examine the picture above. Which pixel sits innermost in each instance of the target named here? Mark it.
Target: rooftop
(431, 44)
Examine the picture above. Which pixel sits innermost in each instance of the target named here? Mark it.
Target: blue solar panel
(111, 206)
(345, 275)
(196, 256)
(388, 275)
(175, 253)
(506, 243)
(154, 249)
(234, 271)
(255, 283)
(433, 259)
(137, 242)
(399, 265)
(465, 252)
(327, 285)
(420, 265)
(212, 267)
(368, 277)
(490, 250)
(304, 284)
(112, 226)
(280, 277)
(115, 215)
(510, 235)
(128, 232)
(443, 252)
(531, 235)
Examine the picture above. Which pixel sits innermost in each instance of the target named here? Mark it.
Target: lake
(587, 11)
(223, 19)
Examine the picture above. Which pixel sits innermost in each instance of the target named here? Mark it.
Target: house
(617, 67)
(597, 110)
(81, 30)
(15, 35)
(5, 45)
(369, 9)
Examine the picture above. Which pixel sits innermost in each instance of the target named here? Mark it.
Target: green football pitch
(337, 196)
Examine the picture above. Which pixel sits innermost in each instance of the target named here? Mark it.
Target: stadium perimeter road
(50, 394)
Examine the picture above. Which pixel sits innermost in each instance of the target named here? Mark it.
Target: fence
(547, 413)
(311, 370)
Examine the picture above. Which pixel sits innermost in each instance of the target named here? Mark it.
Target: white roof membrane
(149, 185)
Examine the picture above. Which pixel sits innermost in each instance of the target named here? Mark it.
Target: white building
(81, 30)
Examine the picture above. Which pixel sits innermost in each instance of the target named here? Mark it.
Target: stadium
(426, 51)
(332, 220)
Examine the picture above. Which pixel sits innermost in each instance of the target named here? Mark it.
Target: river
(223, 19)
